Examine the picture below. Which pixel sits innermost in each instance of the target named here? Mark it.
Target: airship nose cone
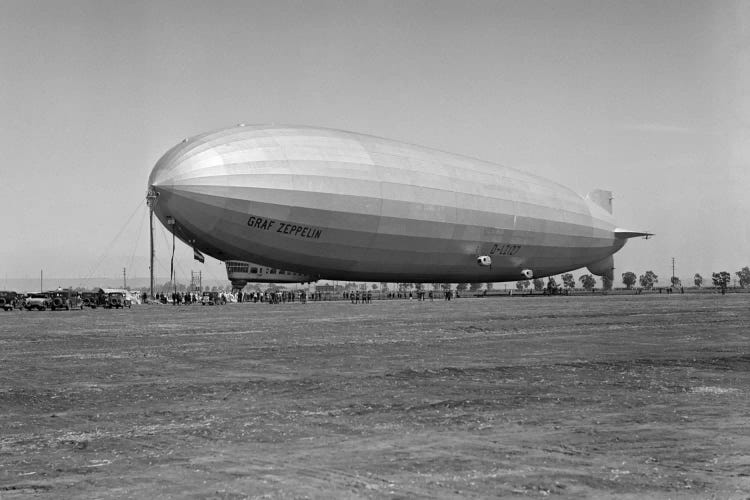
(180, 191)
(168, 166)
(160, 189)
(168, 178)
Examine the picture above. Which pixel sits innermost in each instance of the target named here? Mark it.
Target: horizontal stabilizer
(627, 233)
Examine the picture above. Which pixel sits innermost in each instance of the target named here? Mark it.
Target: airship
(331, 204)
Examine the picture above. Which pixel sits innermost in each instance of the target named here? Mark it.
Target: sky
(647, 99)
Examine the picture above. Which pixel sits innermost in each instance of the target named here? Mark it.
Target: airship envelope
(340, 205)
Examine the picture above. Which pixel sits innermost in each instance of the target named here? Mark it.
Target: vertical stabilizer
(602, 198)
(604, 267)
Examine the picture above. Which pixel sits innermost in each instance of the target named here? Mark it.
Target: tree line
(720, 279)
(647, 281)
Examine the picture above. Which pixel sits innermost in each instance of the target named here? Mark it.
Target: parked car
(8, 300)
(39, 301)
(117, 300)
(65, 299)
(114, 300)
(92, 299)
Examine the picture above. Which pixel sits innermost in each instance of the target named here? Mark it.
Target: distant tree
(488, 286)
(648, 280)
(588, 282)
(462, 287)
(675, 281)
(552, 287)
(538, 284)
(446, 286)
(523, 284)
(374, 286)
(475, 287)
(628, 279)
(698, 280)
(721, 280)
(607, 283)
(568, 281)
(744, 276)
(384, 287)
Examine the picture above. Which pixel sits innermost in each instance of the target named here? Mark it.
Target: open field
(583, 396)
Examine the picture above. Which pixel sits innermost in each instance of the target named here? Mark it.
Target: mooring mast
(151, 197)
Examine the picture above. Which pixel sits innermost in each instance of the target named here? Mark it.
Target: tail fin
(604, 267)
(602, 198)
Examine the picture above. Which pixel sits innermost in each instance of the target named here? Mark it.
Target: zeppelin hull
(338, 205)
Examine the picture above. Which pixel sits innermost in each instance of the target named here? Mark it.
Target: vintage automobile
(39, 301)
(92, 299)
(8, 300)
(117, 300)
(65, 299)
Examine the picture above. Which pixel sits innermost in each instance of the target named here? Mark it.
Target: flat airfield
(620, 396)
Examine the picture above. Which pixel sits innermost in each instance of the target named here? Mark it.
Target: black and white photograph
(375, 249)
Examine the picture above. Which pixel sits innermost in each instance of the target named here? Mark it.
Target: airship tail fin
(601, 198)
(604, 267)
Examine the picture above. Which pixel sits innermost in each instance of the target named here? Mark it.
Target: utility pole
(673, 280)
(124, 279)
(41, 280)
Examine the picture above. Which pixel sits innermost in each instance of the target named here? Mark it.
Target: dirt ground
(526, 397)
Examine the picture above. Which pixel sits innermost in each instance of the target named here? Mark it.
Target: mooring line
(111, 243)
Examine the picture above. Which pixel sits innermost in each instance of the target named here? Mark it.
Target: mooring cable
(111, 243)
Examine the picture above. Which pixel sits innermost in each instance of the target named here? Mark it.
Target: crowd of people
(357, 297)
(290, 296)
(187, 298)
(423, 295)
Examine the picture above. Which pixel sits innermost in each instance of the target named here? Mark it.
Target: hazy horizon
(648, 100)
